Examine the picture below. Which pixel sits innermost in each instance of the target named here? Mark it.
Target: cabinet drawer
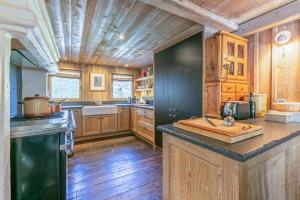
(145, 119)
(241, 88)
(149, 113)
(149, 135)
(240, 96)
(227, 97)
(141, 112)
(228, 87)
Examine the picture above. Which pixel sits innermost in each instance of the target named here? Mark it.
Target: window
(122, 86)
(65, 84)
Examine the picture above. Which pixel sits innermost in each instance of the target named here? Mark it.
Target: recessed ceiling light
(121, 37)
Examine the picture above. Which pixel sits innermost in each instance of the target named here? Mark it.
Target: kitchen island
(263, 167)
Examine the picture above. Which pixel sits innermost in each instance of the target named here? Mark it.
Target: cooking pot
(36, 106)
(56, 106)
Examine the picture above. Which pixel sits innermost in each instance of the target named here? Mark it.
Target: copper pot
(55, 108)
(36, 106)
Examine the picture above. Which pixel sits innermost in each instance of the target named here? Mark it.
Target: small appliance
(236, 109)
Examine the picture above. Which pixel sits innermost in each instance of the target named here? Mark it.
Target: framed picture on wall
(97, 82)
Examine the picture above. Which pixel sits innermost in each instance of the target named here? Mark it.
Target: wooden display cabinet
(225, 71)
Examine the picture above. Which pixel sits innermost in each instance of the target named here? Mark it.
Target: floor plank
(116, 169)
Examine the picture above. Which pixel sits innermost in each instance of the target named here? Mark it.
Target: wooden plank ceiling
(89, 31)
(240, 11)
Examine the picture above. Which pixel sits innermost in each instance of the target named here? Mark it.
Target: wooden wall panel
(275, 67)
(286, 65)
(86, 70)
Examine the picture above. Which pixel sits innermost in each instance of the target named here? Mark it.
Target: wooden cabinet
(225, 71)
(193, 172)
(98, 124)
(109, 123)
(123, 118)
(226, 57)
(144, 124)
(91, 125)
(133, 117)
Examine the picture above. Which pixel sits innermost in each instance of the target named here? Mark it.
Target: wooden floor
(115, 169)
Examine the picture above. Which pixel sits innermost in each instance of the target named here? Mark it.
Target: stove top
(20, 118)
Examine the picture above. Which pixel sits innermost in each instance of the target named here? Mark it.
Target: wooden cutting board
(229, 134)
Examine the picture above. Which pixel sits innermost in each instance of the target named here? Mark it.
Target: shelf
(145, 78)
(143, 90)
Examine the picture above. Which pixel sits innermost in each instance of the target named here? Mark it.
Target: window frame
(112, 87)
(61, 75)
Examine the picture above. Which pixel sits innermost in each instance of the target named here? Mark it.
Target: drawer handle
(229, 88)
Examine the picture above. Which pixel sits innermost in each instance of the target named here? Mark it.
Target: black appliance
(237, 109)
(178, 82)
(39, 162)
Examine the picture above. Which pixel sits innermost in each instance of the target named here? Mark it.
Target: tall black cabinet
(178, 82)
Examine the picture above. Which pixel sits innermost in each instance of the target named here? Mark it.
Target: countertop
(116, 104)
(274, 133)
(42, 126)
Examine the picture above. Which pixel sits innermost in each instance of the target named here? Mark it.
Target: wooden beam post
(5, 43)
(282, 15)
(194, 12)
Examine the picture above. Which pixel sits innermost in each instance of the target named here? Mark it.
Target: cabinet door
(78, 121)
(212, 99)
(234, 65)
(91, 125)
(109, 123)
(123, 119)
(241, 60)
(133, 119)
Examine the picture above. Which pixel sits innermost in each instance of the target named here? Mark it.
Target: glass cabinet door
(234, 58)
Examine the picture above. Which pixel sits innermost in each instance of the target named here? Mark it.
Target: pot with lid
(36, 106)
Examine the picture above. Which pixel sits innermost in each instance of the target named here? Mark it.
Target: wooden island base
(192, 172)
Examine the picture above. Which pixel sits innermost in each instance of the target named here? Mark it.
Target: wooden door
(78, 121)
(133, 119)
(91, 125)
(109, 123)
(123, 119)
(212, 101)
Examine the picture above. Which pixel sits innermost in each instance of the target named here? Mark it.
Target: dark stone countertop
(274, 133)
(29, 127)
(78, 106)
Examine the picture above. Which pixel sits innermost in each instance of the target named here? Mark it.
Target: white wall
(34, 82)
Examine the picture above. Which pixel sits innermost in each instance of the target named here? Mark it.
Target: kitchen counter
(116, 104)
(274, 133)
(262, 167)
(21, 128)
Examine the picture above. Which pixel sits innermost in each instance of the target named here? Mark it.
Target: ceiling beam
(78, 19)
(282, 15)
(194, 12)
(178, 38)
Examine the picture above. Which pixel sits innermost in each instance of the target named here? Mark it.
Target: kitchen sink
(99, 110)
